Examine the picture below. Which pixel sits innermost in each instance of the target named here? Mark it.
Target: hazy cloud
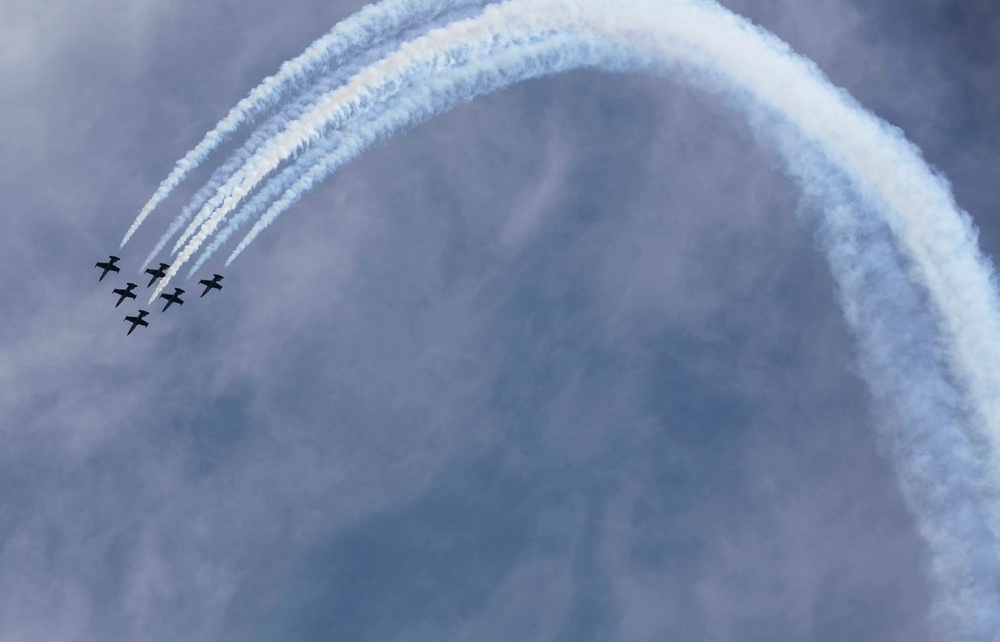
(503, 377)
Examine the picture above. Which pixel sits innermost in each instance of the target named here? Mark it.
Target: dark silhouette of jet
(210, 284)
(108, 267)
(158, 273)
(137, 321)
(124, 293)
(173, 298)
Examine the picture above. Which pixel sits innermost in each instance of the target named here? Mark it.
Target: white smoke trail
(277, 122)
(285, 179)
(498, 27)
(551, 54)
(271, 127)
(237, 159)
(371, 24)
(916, 203)
(275, 186)
(942, 470)
(258, 137)
(940, 466)
(944, 483)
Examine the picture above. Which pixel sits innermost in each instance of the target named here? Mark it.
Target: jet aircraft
(158, 273)
(108, 267)
(124, 293)
(173, 298)
(212, 283)
(137, 321)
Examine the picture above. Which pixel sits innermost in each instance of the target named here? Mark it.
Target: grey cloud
(526, 372)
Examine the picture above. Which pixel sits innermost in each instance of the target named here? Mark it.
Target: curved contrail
(271, 127)
(372, 24)
(938, 369)
(498, 27)
(289, 113)
(550, 54)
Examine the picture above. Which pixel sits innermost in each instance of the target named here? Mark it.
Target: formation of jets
(128, 292)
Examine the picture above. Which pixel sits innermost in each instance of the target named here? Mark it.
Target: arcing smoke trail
(271, 128)
(262, 134)
(937, 463)
(551, 54)
(499, 26)
(366, 27)
(276, 123)
(946, 476)
(277, 185)
(888, 170)
(942, 476)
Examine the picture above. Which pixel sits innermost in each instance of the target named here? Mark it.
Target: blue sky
(562, 364)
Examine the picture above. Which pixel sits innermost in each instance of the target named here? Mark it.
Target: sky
(562, 364)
